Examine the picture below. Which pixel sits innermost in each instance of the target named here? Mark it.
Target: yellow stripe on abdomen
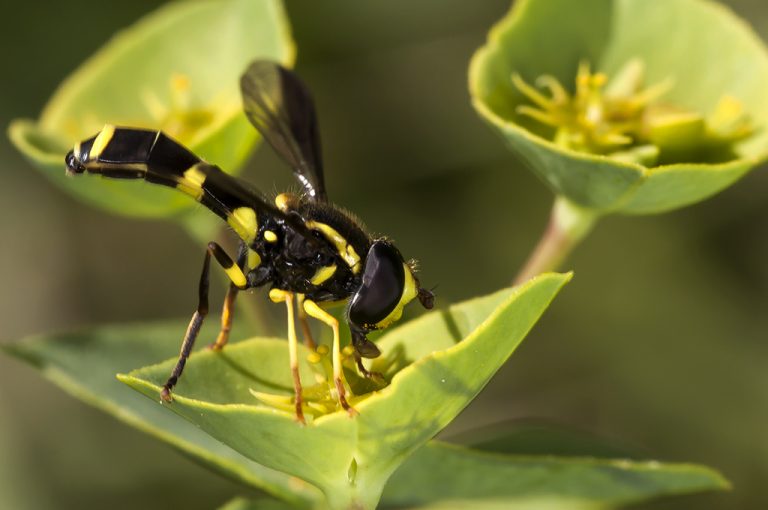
(101, 141)
(192, 182)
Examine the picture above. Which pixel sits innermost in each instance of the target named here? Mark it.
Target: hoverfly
(311, 252)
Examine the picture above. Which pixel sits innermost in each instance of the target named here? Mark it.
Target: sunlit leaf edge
(136, 381)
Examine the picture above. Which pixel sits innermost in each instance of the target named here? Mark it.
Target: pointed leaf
(440, 475)
(444, 476)
(343, 455)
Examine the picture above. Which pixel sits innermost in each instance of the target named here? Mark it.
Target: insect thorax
(327, 267)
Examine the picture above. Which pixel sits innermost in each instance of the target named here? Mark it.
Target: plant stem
(361, 488)
(355, 497)
(568, 225)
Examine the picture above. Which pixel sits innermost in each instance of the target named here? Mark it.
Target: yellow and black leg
(305, 331)
(228, 308)
(280, 296)
(313, 310)
(237, 278)
(226, 318)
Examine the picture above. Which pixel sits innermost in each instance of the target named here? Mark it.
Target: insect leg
(228, 307)
(226, 318)
(202, 310)
(305, 331)
(192, 330)
(277, 296)
(313, 310)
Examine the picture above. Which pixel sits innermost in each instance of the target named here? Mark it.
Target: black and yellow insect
(311, 252)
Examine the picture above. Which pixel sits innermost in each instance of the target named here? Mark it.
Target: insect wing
(280, 106)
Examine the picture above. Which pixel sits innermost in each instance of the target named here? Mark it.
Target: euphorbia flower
(693, 80)
(716, 65)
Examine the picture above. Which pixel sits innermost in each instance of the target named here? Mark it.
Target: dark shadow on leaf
(390, 364)
(453, 327)
(248, 374)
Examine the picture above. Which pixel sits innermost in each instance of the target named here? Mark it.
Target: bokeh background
(659, 345)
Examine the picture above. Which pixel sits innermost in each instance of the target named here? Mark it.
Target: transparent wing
(280, 106)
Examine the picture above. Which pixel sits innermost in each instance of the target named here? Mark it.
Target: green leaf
(445, 476)
(84, 364)
(532, 437)
(443, 359)
(675, 40)
(200, 46)
(256, 504)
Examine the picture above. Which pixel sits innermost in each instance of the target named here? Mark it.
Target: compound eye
(382, 288)
(73, 165)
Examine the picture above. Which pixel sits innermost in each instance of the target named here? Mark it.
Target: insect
(311, 252)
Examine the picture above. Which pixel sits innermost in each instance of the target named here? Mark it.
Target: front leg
(364, 348)
(238, 279)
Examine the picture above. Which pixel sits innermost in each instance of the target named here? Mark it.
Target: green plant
(457, 351)
(688, 125)
(435, 365)
(160, 68)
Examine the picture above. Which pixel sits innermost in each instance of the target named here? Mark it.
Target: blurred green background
(659, 345)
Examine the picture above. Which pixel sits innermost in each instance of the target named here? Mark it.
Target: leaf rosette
(692, 73)
(455, 352)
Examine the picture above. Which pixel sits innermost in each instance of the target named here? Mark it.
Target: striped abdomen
(129, 153)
